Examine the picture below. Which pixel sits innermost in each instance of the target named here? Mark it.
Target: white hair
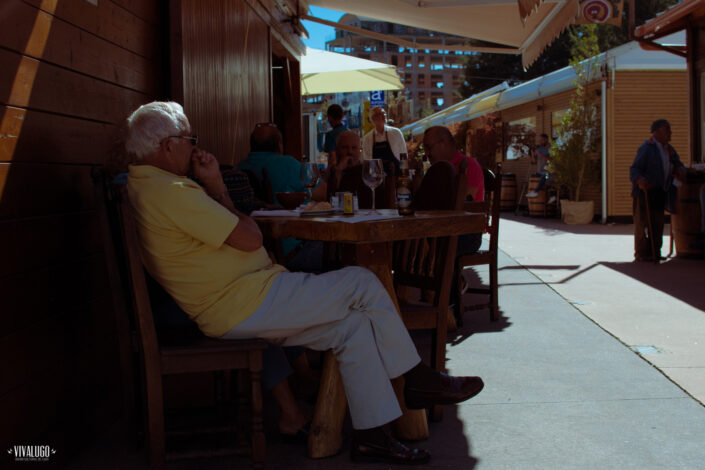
(374, 108)
(151, 124)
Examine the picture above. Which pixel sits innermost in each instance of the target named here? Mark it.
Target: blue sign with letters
(376, 98)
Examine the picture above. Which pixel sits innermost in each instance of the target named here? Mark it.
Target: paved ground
(658, 310)
(564, 387)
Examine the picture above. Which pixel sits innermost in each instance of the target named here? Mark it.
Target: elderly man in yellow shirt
(209, 257)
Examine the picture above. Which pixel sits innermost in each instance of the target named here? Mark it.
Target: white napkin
(367, 217)
(275, 213)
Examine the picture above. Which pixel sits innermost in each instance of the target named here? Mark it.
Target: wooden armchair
(424, 264)
(491, 207)
(177, 353)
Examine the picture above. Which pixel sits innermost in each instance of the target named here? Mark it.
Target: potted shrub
(574, 156)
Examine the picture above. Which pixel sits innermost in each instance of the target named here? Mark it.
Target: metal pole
(632, 20)
(603, 104)
(651, 227)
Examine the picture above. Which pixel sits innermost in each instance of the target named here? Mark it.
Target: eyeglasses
(266, 124)
(191, 138)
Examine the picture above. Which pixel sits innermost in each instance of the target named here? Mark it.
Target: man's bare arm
(246, 235)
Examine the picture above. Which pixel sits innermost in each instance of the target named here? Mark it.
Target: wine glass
(309, 175)
(373, 175)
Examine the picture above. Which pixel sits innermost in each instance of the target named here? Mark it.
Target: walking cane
(651, 228)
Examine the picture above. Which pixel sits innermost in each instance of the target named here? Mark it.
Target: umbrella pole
(651, 228)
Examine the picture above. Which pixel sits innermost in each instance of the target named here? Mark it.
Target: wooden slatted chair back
(176, 354)
(491, 207)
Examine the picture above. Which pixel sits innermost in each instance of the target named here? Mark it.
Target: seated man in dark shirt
(346, 175)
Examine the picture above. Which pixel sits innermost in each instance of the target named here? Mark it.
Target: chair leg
(494, 313)
(258, 440)
(438, 355)
(242, 403)
(155, 423)
(461, 306)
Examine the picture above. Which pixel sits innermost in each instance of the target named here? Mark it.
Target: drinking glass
(373, 175)
(309, 175)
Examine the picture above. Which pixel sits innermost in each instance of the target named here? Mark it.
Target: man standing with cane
(653, 190)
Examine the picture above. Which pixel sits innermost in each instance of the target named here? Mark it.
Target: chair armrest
(476, 206)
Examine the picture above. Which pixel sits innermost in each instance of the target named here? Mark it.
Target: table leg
(412, 424)
(325, 438)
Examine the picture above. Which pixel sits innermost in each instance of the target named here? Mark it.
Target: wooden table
(367, 244)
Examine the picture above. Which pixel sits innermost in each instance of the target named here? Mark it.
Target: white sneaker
(532, 194)
(552, 199)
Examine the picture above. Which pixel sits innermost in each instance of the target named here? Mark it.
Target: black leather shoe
(392, 451)
(447, 391)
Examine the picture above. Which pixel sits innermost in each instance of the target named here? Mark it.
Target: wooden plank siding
(637, 99)
(70, 72)
(227, 67)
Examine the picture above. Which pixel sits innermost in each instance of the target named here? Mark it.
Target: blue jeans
(542, 181)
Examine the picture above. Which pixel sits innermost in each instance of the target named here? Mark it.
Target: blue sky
(319, 33)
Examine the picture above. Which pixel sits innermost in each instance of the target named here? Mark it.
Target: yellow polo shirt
(182, 233)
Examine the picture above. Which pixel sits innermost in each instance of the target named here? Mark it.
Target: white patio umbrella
(329, 72)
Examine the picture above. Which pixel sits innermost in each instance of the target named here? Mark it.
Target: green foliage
(573, 156)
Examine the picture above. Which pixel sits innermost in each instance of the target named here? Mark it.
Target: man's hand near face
(205, 167)
(246, 236)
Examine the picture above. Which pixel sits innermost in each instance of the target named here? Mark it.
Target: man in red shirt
(439, 145)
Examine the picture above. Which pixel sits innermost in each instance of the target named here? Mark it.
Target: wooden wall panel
(31, 190)
(112, 22)
(557, 102)
(226, 63)
(79, 50)
(59, 115)
(61, 91)
(639, 98)
(72, 140)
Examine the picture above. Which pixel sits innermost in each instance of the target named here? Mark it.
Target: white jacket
(394, 136)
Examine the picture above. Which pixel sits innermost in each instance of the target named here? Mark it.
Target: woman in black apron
(383, 151)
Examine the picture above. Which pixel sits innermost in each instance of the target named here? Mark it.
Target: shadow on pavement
(476, 321)
(549, 226)
(679, 278)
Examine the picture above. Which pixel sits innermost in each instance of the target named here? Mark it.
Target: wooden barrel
(508, 192)
(686, 220)
(537, 205)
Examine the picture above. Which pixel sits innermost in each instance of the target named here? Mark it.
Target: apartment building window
(394, 60)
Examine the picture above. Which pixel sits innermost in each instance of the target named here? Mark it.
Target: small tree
(573, 157)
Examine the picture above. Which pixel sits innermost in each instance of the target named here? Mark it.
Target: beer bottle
(404, 187)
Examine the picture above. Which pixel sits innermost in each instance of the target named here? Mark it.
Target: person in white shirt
(383, 142)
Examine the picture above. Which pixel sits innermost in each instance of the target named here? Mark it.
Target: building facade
(430, 76)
